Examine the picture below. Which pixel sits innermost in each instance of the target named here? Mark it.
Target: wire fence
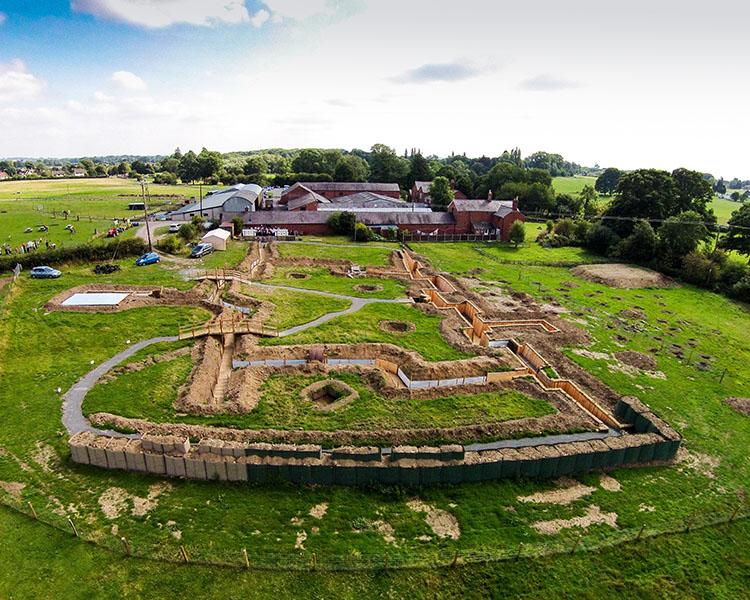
(306, 561)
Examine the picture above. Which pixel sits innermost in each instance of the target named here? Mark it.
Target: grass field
(105, 187)
(150, 392)
(345, 241)
(364, 255)
(724, 208)
(322, 280)
(364, 326)
(294, 308)
(39, 353)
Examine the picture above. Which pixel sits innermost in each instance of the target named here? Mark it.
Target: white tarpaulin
(96, 299)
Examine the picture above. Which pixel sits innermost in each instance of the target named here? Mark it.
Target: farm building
(217, 238)
(223, 205)
(492, 218)
(331, 189)
(420, 192)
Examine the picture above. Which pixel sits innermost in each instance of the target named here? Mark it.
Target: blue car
(44, 273)
(147, 259)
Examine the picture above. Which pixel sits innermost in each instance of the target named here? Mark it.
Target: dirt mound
(622, 276)
(633, 314)
(637, 360)
(368, 288)
(397, 326)
(741, 405)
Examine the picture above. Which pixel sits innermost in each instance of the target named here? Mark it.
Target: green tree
(187, 231)
(694, 193)
(255, 166)
(209, 163)
(680, 235)
(386, 166)
(517, 233)
(569, 205)
(642, 194)
(601, 238)
(329, 159)
(188, 167)
(441, 193)
(565, 228)
(351, 168)
(738, 235)
(590, 200)
(308, 160)
(607, 182)
(640, 246)
(419, 170)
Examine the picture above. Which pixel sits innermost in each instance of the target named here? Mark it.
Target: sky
(631, 84)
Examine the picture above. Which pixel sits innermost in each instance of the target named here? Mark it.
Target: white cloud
(16, 83)
(3, 17)
(298, 9)
(260, 17)
(128, 81)
(163, 13)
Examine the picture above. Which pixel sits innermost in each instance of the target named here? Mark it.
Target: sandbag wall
(406, 465)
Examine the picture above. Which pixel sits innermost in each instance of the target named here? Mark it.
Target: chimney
(515, 203)
(489, 196)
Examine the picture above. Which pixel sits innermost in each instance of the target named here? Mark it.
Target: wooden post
(518, 554)
(734, 514)
(247, 561)
(73, 527)
(689, 523)
(640, 533)
(578, 541)
(33, 512)
(386, 561)
(315, 562)
(455, 559)
(184, 554)
(690, 355)
(127, 546)
(722, 375)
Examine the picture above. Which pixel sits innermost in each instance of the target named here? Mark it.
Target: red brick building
(420, 192)
(335, 189)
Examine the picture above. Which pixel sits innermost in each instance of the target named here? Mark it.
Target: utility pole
(145, 213)
(200, 197)
(711, 267)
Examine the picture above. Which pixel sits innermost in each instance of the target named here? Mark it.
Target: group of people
(27, 247)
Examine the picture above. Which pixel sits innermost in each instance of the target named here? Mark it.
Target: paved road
(72, 417)
(356, 304)
(153, 226)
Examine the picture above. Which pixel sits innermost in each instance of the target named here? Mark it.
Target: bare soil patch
(741, 405)
(442, 523)
(14, 488)
(568, 491)
(295, 275)
(397, 326)
(593, 515)
(637, 360)
(368, 288)
(623, 276)
(319, 510)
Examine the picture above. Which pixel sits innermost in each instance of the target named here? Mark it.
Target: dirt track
(623, 276)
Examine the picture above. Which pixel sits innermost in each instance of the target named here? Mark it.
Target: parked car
(147, 259)
(202, 250)
(44, 273)
(174, 228)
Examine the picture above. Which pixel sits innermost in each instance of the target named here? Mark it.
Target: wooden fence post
(73, 527)
(33, 512)
(184, 554)
(455, 559)
(127, 546)
(734, 514)
(314, 562)
(247, 561)
(722, 375)
(640, 533)
(518, 554)
(386, 561)
(578, 541)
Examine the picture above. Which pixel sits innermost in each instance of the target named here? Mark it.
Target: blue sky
(640, 83)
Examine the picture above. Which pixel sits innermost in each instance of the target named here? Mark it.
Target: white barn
(217, 238)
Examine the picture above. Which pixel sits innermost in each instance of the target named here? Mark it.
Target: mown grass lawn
(346, 241)
(364, 326)
(103, 187)
(362, 254)
(150, 392)
(294, 308)
(724, 208)
(322, 280)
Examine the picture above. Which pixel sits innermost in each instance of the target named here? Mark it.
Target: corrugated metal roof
(480, 205)
(217, 199)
